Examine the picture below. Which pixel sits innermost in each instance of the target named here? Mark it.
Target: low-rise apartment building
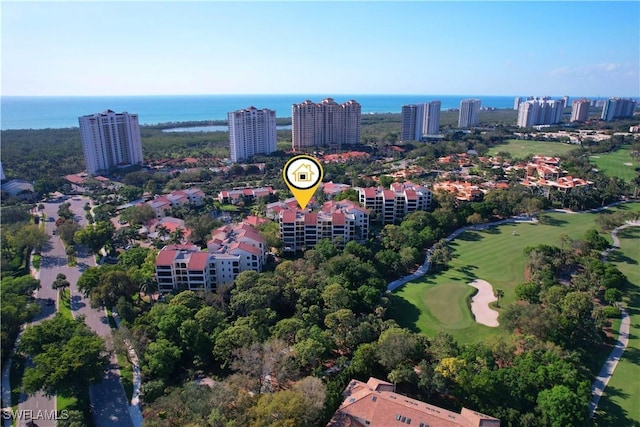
(231, 250)
(244, 194)
(392, 205)
(339, 222)
(162, 205)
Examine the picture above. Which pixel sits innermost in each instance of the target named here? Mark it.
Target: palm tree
(149, 287)
(162, 231)
(498, 293)
(176, 236)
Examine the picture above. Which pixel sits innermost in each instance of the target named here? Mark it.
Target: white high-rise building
(580, 110)
(110, 140)
(540, 111)
(469, 113)
(412, 122)
(419, 120)
(618, 107)
(516, 102)
(325, 124)
(431, 118)
(251, 132)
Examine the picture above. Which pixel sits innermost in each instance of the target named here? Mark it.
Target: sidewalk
(134, 407)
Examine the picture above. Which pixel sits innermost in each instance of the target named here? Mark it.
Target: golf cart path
(609, 366)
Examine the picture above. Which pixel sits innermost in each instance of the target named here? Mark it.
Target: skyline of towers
(469, 113)
(580, 110)
(618, 107)
(110, 140)
(251, 132)
(419, 120)
(325, 124)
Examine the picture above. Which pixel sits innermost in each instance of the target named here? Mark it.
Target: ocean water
(29, 112)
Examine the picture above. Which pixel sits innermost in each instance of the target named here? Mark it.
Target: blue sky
(420, 47)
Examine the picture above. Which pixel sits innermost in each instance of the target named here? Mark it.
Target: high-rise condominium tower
(419, 120)
(516, 102)
(251, 132)
(431, 118)
(325, 124)
(617, 107)
(412, 122)
(110, 140)
(580, 110)
(540, 111)
(469, 113)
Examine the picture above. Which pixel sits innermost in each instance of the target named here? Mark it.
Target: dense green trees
(66, 356)
(18, 307)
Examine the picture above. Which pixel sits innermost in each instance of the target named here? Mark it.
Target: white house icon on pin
(303, 173)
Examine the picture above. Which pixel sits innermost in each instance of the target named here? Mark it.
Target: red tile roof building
(339, 222)
(231, 250)
(162, 205)
(392, 205)
(465, 191)
(244, 194)
(375, 404)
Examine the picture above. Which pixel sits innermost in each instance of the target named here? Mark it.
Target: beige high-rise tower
(325, 124)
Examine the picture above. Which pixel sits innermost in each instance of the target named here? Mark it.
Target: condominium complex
(162, 205)
(469, 113)
(325, 124)
(110, 140)
(339, 222)
(580, 110)
(540, 111)
(389, 206)
(251, 132)
(431, 118)
(419, 120)
(231, 250)
(618, 107)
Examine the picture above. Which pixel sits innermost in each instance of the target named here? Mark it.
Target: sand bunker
(480, 303)
(628, 164)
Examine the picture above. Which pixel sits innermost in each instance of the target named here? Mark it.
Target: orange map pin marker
(303, 175)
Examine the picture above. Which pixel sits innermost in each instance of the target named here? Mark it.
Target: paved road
(53, 261)
(610, 365)
(108, 398)
(623, 337)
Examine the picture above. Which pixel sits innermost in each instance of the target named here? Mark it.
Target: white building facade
(110, 140)
(469, 115)
(618, 107)
(540, 111)
(251, 132)
(580, 110)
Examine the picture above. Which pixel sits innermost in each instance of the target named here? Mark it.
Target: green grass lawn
(520, 148)
(126, 374)
(617, 163)
(64, 305)
(433, 302)
(620, 403)
(65, 403)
